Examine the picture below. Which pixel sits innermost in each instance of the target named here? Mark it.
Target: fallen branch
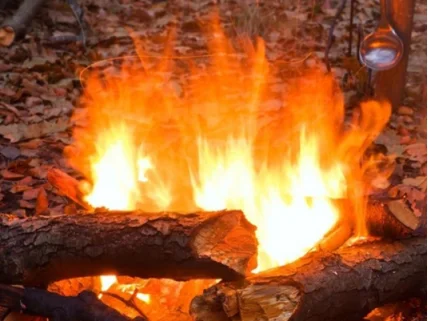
(163, 245)
(83, 307)
(344, 285)
(14, 27)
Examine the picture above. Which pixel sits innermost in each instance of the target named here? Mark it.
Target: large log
(344, 285)
(40, 250)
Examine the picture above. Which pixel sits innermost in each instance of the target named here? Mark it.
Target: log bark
(40, 250)
(83, 307)
(14, 27)
(344, 285)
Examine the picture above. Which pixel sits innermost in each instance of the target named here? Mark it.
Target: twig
(351, 28)
(78, 14)
(14, 27)
(84, 307)
(360, 38)
(330, 34)
(60, 40)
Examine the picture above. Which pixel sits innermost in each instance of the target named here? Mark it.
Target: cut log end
(343, 285)
(7, 36)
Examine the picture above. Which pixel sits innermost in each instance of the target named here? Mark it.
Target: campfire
(198, 174)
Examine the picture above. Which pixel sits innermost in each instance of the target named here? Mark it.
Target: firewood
(40, 250)
(344, 285)
(381, 221)
(83, 307)
(14, 27)
(392, 219)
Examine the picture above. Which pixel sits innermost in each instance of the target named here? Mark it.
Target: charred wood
(344, 285)
(84, 307)
(40, 250)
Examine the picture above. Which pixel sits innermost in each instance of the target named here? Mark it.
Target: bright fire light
(284, 172)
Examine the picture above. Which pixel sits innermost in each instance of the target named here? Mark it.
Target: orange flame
(185, 134)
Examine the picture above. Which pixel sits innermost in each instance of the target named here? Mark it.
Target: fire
(174, 134)
(107, 281)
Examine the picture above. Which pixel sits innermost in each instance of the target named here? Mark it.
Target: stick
(78, 14)
(344, 285)
(14, 28)
(39, 250)
(83, 307)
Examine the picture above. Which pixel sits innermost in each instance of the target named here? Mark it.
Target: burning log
(40, 250)
(392, 219)
(381, 221)
(85, 306)
(344, 285)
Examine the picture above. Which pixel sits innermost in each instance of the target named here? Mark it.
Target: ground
(40, 81)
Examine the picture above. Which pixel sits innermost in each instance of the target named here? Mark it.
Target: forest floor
(40, 81)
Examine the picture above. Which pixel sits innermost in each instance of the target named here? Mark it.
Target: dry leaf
(42, 202)
(403, 213)
(18, 132)
(10, 175)
(10, 152)
(18, 188)
(417, 152)
(30, 194)
(26, 204)
(420, 181)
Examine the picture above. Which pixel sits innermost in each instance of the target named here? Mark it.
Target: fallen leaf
(420, 181)
(30, 194)
(42, 202)
(10, 175)
(18, 188)
(18, 132)
(417, 152)
(26, 204)
(10, 152)
(28, 180)
(9, 107)
(403, 213)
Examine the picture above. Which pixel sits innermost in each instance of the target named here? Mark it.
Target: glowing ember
(156, 141)
(107, 281)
